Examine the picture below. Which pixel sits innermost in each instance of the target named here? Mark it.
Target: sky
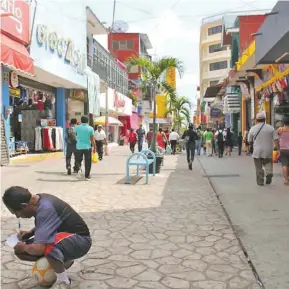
(172, 26)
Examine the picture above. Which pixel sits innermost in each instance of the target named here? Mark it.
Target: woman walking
(283, 144)
(209, 139)
(161, 139)
(132, 139)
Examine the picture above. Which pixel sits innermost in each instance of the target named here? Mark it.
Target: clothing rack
(49, 138)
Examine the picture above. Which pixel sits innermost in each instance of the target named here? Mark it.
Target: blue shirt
(83, 134)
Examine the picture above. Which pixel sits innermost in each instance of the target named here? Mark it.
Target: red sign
(15, 21)
(118, 102)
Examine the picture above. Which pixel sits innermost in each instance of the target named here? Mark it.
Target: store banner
(93, 88)
(58, 43)
(171, 77)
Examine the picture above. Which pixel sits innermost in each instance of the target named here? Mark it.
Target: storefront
(58, 48)
(15, 59)
(272, 93)
(119, 112)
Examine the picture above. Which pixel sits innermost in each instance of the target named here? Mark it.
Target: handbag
(251, 149)
(168, 149)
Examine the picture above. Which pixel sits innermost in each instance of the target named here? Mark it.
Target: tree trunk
(154, 147)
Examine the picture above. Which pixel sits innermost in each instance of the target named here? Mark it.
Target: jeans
(99, 148)
(70, 150)
(132, 146)
(190, 148)
(198, 146)
(87, 161)
(263, 167)
(140, 144)
(173, 146)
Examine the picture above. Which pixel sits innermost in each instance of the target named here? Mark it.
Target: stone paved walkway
(169, 234)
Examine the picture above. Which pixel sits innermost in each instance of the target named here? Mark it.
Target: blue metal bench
(140, 160)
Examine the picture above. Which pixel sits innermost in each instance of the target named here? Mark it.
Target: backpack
(220, 136)
(71, 135)
(198, 135)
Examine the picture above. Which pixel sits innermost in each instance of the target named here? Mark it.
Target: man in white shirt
(173, 139)
(100, 140)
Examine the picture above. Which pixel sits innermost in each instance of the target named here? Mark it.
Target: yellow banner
(171, 77)
(161, 101)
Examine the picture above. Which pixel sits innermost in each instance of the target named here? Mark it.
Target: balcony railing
(106, 66)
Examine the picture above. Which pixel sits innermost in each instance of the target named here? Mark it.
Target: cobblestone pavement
(171, 233)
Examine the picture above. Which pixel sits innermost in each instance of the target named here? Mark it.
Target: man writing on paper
(60, 234)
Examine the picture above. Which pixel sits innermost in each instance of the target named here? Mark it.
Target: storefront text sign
(93, 87)
(171, 77)
(119, 102)
(15, 23)
(64, 47)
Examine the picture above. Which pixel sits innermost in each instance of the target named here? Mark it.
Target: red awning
(15, 55)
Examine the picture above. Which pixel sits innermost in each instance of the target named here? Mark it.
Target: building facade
(214, 61)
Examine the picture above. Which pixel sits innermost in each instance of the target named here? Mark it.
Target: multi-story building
(126, 45)
(214, 60)
(123, 46)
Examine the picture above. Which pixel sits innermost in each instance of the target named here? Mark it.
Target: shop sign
(119, 102)
(171, 77)
(14, 92)
(93, 87)
(47, 122)
(64, 47)
(13, 79)
(6, 76)
(17, 22)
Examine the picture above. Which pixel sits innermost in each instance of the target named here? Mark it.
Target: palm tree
(179, 107)
(153, 72)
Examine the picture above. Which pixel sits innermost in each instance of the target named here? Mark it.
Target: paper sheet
(12, 240)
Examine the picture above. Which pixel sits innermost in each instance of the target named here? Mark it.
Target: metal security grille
(4, 148)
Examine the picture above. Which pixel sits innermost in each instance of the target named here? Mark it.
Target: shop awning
(111, 121)
(212, 91)
(272, 39)
(15, 55)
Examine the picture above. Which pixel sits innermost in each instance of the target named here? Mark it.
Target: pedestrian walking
(85, 140)
(149, 137)
(71, 146)
(261, 137)
(214, 145)
(199, 141)
(209, 138)
(100, 140)
(229, 142)
(220, 138)
(283, 146)
(161, 139)
(240, 143)
(190, 137)
(140, 137)
(132, 139)
(173, 139)
(60, 234)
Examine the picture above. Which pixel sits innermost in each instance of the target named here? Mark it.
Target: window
(215, 30)
(122, 45)
(214, 82)
(216, 48)
(218, 65)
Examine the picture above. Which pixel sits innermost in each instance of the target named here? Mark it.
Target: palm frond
(166, 63)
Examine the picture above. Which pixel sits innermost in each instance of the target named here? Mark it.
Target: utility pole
(106, 83)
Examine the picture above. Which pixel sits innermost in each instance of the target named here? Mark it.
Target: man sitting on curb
(60, 234)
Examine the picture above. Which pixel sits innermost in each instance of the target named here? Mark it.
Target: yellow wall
(161, 101)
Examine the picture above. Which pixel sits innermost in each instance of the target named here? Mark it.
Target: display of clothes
(49, 139)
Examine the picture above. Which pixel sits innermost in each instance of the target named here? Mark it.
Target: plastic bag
(94, 158)
(168, 149)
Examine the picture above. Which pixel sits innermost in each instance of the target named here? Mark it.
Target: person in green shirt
(209, 138)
